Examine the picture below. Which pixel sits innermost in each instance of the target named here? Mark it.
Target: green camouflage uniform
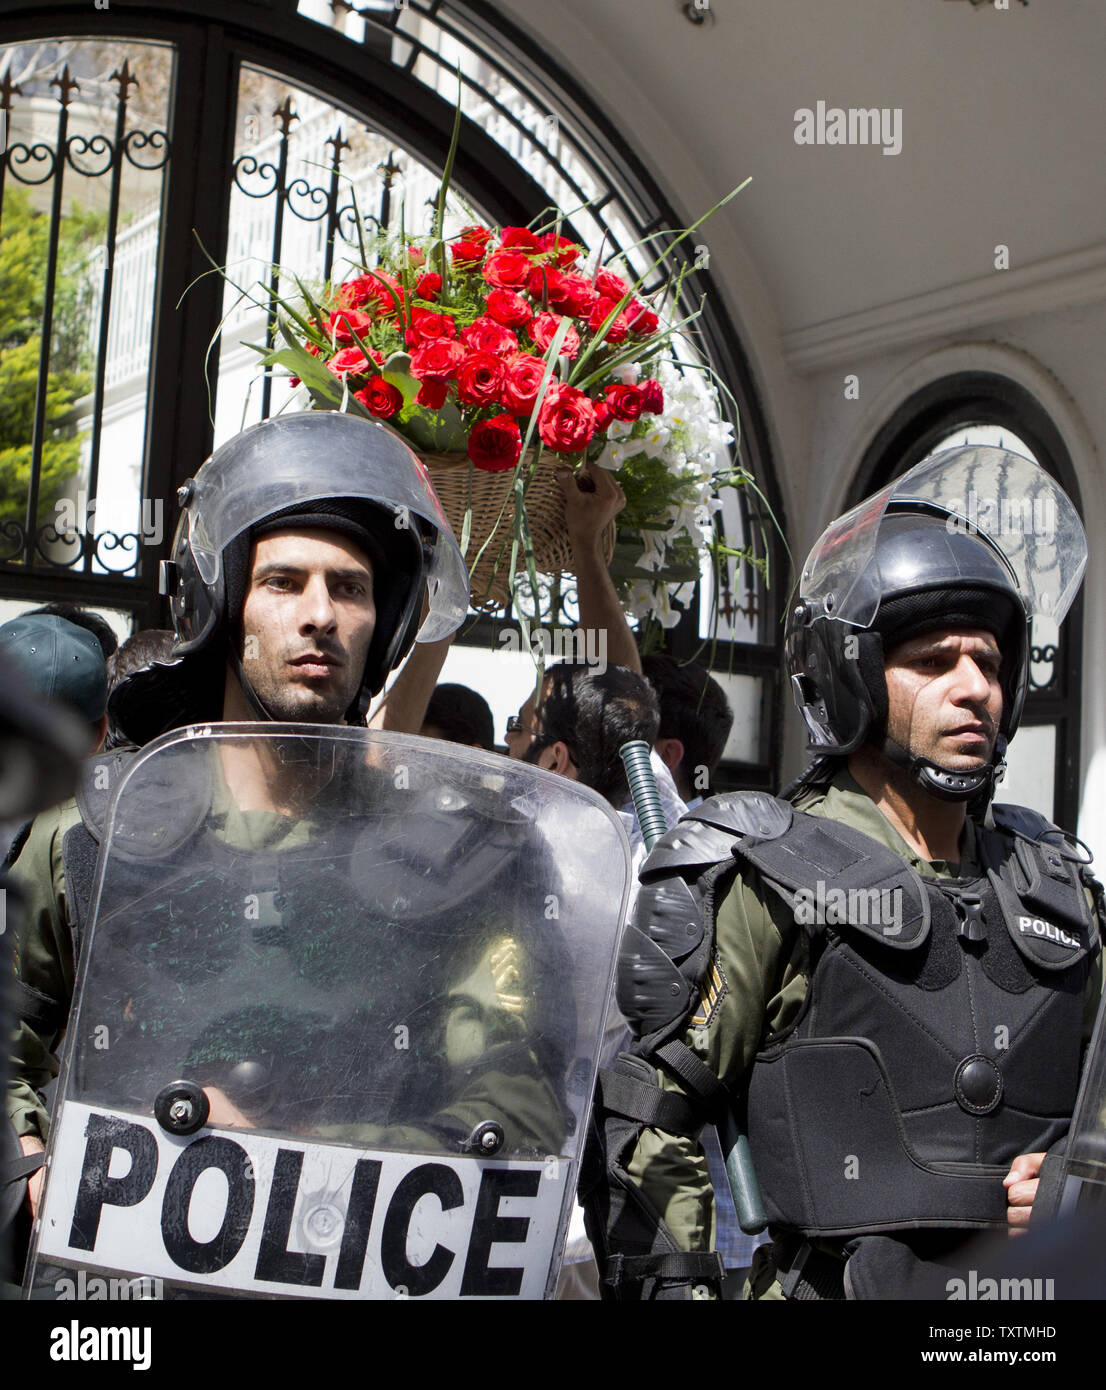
(763, 972)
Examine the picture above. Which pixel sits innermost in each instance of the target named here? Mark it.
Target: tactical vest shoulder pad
(1042, 880)
(710, 833)
(1023, 821)
(666, 948)
(100, 775)
(164, 810)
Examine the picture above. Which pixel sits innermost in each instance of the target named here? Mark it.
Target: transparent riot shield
(1073, 1182)
(337, 1021)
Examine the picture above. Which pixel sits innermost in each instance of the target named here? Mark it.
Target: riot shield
(1073, 1179)
(337, 1021)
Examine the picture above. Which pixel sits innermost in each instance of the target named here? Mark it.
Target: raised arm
(402, 708)
(587, 512)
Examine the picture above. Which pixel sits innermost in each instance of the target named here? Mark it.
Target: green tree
(24, 240)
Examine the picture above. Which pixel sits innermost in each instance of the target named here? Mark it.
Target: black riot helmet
(319, 469)
(971, 538)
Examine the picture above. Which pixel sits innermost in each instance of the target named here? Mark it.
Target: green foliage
(24, 241)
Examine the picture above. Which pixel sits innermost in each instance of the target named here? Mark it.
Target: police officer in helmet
(303, 554)
(889, 979)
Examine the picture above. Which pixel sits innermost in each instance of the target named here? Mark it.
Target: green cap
(60, 660)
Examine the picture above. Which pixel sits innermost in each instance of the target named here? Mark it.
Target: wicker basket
(458, 483)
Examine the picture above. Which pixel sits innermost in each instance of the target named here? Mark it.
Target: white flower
(629, 374)
(652, 557)
(616, 454)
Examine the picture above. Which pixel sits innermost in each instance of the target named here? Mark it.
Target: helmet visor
(312, 456)
(1005, 498)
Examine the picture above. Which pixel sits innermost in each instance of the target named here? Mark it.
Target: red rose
(349, 362)
(353, 293)
(509, 309)
(652, 397)
(545, 283)
(345, 323)
(428, 285)
(625, 402)
(576, 296)
(603, 416)
(618, 328)
(642, 320)
(432, 392)
(518, 239)
(566, 421)
(495, 444)
(438, 357)
(480, 235)
(480, 379)
(543, 331)
(466, 255)
(611, 285)
(428, 326)
(521, 383)
(566, 253)
(380, 398)
(508, 270)
(485, 335)
(381, 291)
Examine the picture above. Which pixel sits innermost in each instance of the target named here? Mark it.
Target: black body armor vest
(941, 1032)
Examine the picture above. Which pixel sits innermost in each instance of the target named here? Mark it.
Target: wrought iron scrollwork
(97, 145)
(31, 542)
(156, 140)
(13, 538)
(314, 197)
(20, 154)
(245, 166)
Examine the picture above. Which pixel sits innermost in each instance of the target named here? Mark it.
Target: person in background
(141, 649)
(696, 720)
(82, 617)
(61, 661)
(459, 715)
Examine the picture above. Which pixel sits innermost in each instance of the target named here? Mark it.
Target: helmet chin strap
(252, 698)
(946, 783)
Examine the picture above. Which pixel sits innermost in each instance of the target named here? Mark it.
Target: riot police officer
(889, 979)
(304, 550)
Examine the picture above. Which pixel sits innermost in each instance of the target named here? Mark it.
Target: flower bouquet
(500, 357)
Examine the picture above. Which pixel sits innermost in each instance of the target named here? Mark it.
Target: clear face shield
(310, 457)
(1007, 499)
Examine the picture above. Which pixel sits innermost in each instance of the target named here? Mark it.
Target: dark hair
(81, 617)
(595, 712)
(138, 651)
(141, 649)
(694, 709)
(462, 715)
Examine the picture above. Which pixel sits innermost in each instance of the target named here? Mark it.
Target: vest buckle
(969, 911)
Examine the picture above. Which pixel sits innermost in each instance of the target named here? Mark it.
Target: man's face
(944, 701)
(525, 743)
(307, 623)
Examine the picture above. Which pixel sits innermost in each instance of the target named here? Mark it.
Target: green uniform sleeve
(43, 961)
(756, 983)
